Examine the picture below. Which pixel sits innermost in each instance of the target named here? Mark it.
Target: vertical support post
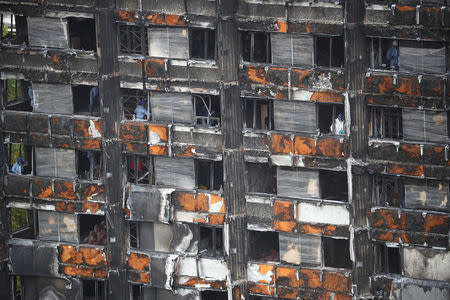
(109, 87)
(233, 156)
(356, 63)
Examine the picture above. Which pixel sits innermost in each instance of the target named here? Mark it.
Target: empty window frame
(94, 289)
(258, 114)
(92, 229)
(20, 159)
(82, 34)
(89, 164)
(211, 241)
(379, 49)
(206, 110)
(86, 100)
(256, 47)
(203, 43)
(14, 28)
(331, 119)
(263, 246)
(209, 175)
(136, 104)
(136, 292)
(17, 94)
(336, 253)
(329, 51)
(140, 169)
(213, 295)
(261, 178)
(387, 259)
(23, 223)
(389, 190)
(133, 39)
(133, 234)
(333, 185)
(386, 123)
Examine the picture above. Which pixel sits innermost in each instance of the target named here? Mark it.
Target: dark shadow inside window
(203, 43)
(82, 34)
(263, 246)
(93, 229)
(337, 253)
(333, 185)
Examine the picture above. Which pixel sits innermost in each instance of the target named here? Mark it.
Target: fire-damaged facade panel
(210, 149)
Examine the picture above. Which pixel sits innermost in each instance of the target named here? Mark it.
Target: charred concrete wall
(216, 149)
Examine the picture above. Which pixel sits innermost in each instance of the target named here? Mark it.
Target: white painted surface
(426, 264)
(254, 275)
(281, 160)
(327, 214)
(212, 269)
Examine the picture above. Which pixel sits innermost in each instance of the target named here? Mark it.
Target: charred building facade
(224, 149)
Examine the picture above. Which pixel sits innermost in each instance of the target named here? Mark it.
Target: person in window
(338, 125)
(93, 96)
(30, 95)
(392, 56)
(140, 112)
(17, 168)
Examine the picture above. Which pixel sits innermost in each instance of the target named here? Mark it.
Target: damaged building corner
(210, 149)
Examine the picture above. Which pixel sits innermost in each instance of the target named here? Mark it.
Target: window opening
(134, 234)
(86, 100)
(203, 43)
(135, 104)
(390, 191)
(331, 119)
(17, 94)
(94, 289)
(336, 253)
(261, 178)
(207, 110)
(259, 114)
(133, 39)
(333, 185)
(140, 169)
(82, 34)
(20, 159)
(89, 164)
(14, 28)
(384, 54)
(17, 287)
(330, 51)
(386, 123)
(263, 245)
(136, 292)
(211, 241)
(214, 295)
(388, 259)
(92, 229)
(209, 175)
(23, 223)
(256, 47)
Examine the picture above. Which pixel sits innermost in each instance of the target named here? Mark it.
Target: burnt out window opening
(386, 123)
(20, 159)
(329, 51)
(14, 28)
(333, 185)
(133, 39)
(209, 175)
(23, 223)
(92, 229)
(140, 169)
(206, 110)
(203, 43)
(94, 289)
(86, 100)
(336, 253)
(331, 119)
(378, 50)
(89, 165)
(82, 34)
(256, 47)
(389, 191)
(136, 104)
(17, 94)
(136, 292)
(213, 295)
(258, 114)
(263, 246)
(211, 241)
(261, 178)
(388, 259)
(134, 234)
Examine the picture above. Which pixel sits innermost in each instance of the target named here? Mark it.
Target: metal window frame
(254, 102)
(134, 95)
(136, 237)
(382, 258)
(91, 175)
(147, 174)
(207, 101)
(205, 40)
(268, 58)
(133, 39)
(390, 123)
(97, 288)
(381, 186)
(213, 237)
